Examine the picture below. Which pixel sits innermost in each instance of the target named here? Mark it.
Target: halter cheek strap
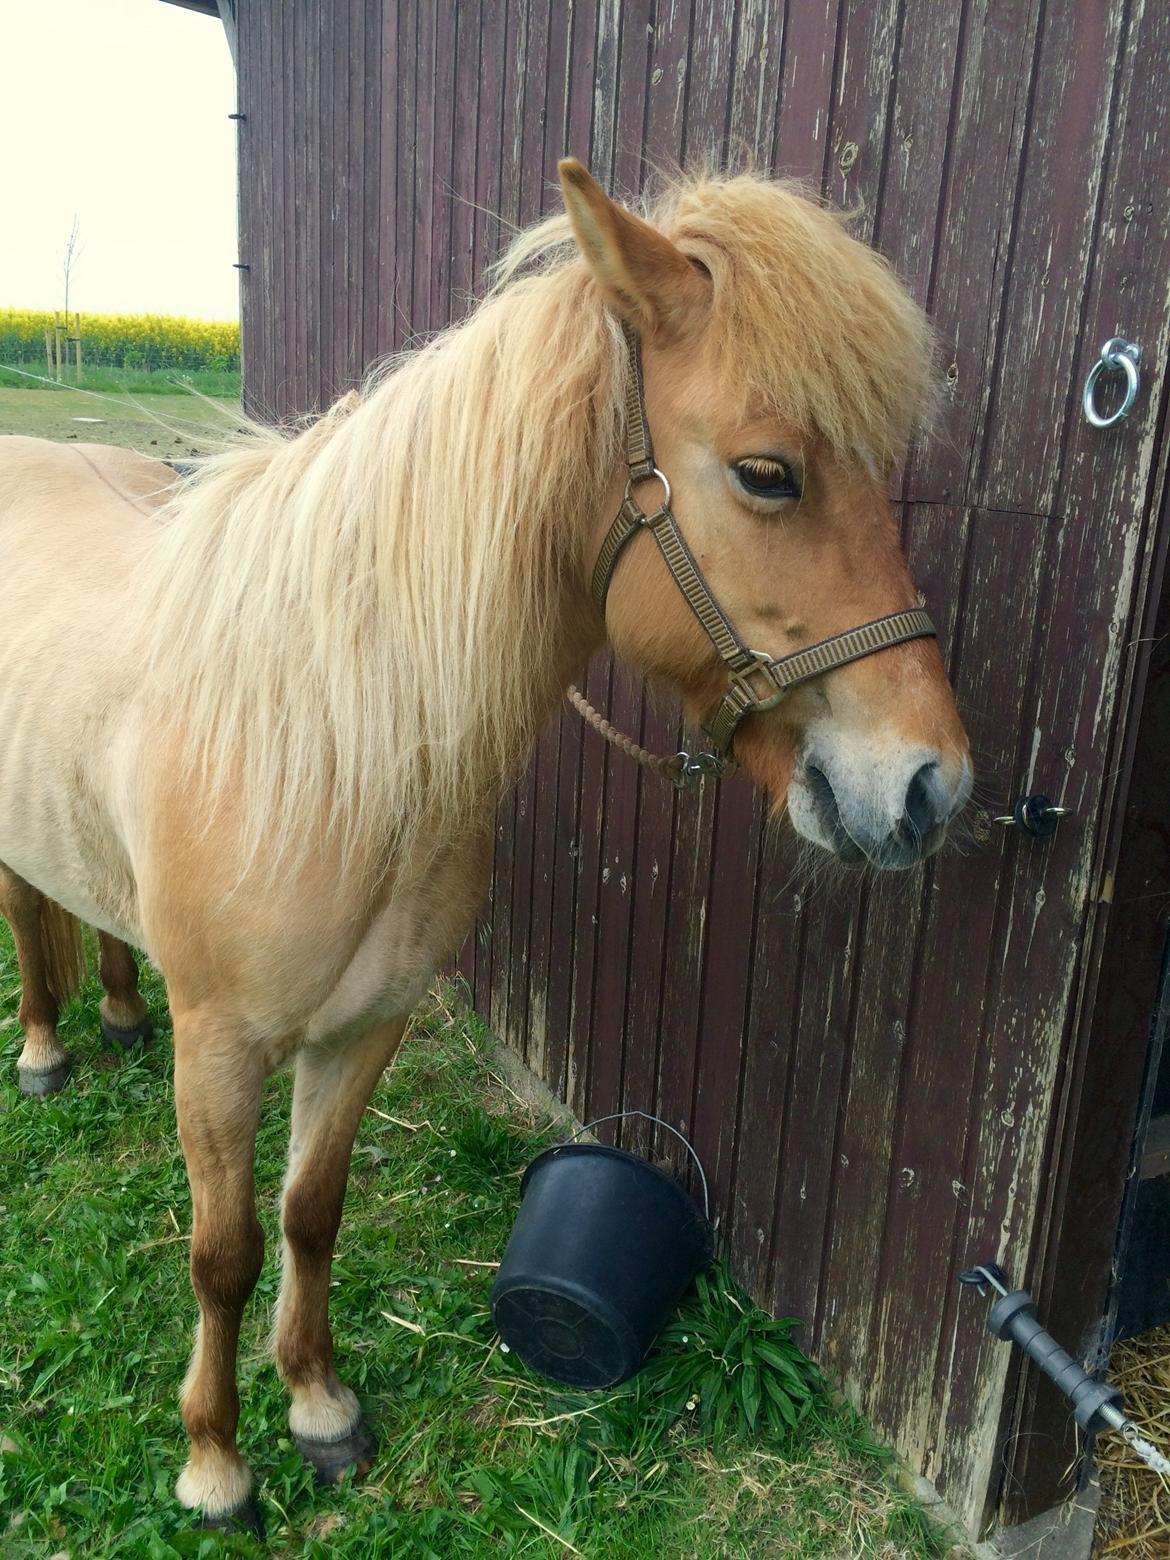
(756, 681)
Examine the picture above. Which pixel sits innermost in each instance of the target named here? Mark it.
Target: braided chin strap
(756, 681)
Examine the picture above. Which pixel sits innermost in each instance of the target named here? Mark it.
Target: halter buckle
(744, 691)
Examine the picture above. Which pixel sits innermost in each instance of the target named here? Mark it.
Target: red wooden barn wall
(874, 1071)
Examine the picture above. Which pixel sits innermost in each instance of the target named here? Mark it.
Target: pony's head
(785, 368)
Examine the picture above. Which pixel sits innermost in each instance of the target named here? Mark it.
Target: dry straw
(1134, 1518)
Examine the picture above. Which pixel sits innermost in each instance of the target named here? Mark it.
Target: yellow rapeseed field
(126, 340)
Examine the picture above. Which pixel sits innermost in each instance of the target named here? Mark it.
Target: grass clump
(725, 1445)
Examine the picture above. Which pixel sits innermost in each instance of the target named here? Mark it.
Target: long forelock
(808, 323)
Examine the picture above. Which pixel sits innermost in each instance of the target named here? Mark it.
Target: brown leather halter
(756, 681)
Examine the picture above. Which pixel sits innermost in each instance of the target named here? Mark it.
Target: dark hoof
(246, 1518)
(38, 1084)
(332, 1460)
(125, 1039)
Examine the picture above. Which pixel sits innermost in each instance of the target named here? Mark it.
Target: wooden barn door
(872, 1070)
(878, 1073)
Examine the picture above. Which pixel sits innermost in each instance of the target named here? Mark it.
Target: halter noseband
(756, 681)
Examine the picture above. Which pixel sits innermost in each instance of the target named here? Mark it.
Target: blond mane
(355, 618)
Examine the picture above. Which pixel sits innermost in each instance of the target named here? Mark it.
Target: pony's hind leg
(50, 955)
(331, 1091)
(124, 1018)
(218, 1082)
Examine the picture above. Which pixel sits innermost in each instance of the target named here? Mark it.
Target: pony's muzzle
(892, 812)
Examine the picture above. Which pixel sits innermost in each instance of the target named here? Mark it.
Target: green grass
(723, 1446)
(161, 425)
(221, 382)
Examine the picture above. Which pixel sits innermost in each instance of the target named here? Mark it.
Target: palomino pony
(256, 722)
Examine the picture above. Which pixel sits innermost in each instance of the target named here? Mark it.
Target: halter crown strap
(757, 681)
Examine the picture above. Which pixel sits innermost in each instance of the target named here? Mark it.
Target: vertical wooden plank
(427, 112)
(248, 175)
(278, 301)
(556, 103)
(405, 94)
(650, 893)
(872, 1090)
(755, 82)
(371, 131)
(801, 134)
(1016, 465)
(583, 22)
(542, 141)
(340, 176)
(388, 154)
(262, 267)
(310, 268)
(994, 85)
(667, 88)
(573, 43)
(620, 825)
(684, 946)
(356, 156)
(295, 269)
(831, 950)
(709, 77)
(563, 917)
(533, 125)
(918, 134)
(929, 1186)
(468, 74)
(589, 883)
(324, 197)
(867, 51)
(488, 149)
(725, 1000)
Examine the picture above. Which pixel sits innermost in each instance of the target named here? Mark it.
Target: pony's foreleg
(331, 1091)
(51, 960)
(123, 1015)
(218, 1081)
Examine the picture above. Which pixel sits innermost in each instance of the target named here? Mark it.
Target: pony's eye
(765, 477)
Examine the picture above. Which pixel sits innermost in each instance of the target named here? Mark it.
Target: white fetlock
(324, 1412)
(215, 1483)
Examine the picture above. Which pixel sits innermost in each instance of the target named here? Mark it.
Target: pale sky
(116, 110)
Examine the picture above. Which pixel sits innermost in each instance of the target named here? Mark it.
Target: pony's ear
(644, 277)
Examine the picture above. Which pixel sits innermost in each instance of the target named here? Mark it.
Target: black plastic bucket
(602, 1250)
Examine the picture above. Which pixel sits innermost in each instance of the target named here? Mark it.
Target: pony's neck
(373, 621)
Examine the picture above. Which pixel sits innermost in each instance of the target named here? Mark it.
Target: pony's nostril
(821, 787)
(922, 809)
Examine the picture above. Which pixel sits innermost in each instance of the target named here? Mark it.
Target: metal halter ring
(1117, 356)
(632, 482)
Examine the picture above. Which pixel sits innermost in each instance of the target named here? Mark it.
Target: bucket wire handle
(620, 1115)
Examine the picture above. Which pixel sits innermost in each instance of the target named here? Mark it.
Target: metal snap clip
(1117, 356)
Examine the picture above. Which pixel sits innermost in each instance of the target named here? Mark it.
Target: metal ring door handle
(1117, 356)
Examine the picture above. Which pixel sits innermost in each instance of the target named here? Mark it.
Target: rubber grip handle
(1014, 1317)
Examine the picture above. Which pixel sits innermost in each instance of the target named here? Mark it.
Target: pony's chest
(406, 942)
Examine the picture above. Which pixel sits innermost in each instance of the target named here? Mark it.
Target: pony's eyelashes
(766, 480)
